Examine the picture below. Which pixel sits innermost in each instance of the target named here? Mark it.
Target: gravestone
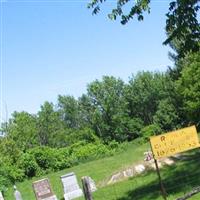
(17, 194)
(43, 190)
(1, 196)
(70, 186)
(92, 184)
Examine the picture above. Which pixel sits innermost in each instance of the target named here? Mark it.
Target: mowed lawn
(98, 170)
(177, 179)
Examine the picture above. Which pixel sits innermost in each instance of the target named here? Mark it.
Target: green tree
(69, 110)
(182, 26)
(50, 127)
(22, 129)
(87, 111)
(188, 86)
(143, 94)
(10, 151)
(166, 116)
(110, 116)
(85, 135)
(150, 130)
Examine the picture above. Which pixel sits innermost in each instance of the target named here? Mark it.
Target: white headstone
(92, 184)
(17, 195)
(1, 196)
(70, 186)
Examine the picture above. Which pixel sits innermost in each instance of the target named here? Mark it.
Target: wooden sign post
(162, 188)
(171, 143)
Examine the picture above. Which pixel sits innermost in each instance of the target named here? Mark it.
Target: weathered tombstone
(43, 190)
(17, 194)
(92, 184)
(70, 186)
(86, 188)
(1, 196)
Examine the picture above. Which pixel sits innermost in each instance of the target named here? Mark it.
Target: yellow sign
(174, 142)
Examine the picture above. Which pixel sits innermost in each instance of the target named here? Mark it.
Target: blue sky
(58, 47)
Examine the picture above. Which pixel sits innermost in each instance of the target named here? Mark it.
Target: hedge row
(42, 160)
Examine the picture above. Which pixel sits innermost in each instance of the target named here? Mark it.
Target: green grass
(98, 170)
(178, 179)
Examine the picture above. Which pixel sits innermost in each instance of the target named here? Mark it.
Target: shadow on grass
(180, 177)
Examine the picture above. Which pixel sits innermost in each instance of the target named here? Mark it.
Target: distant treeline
(111, 112)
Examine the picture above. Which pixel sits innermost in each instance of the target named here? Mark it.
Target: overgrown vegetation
(42, 160)
(111, 112)
(97, 169)
(177, 178)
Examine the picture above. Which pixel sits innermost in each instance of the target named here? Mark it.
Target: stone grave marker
(70, 186)
(43, 190)
(17, 193)
(1, 196)
(92, 184)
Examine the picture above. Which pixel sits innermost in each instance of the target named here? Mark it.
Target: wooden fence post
(86, 188)
(160, 180)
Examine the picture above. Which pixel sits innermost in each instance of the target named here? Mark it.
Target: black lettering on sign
(172, 150)
(162, 153)
(162, 138)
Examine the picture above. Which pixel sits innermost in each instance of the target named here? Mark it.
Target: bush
(90, 151)
(61, 159)
(149, 131)
(15, 174)
(28, 163)
(9, 174)
(43, 157)
(113, 145)
(4, 180)
(85, 135)
(42, 160)
(52, 159)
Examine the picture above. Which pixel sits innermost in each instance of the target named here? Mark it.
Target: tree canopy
(182, 26)
(72, 130)
(112, 111)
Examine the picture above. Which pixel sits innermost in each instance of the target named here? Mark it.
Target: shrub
(41, 160)
(85, 135)
(43, 157)
(9, 174)
(90, 151)
(28, 163)
(113, 145)
(150, 130)
(4, 180)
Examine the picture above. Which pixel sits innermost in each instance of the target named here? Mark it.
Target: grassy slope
(98, 170)
(177, 179)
